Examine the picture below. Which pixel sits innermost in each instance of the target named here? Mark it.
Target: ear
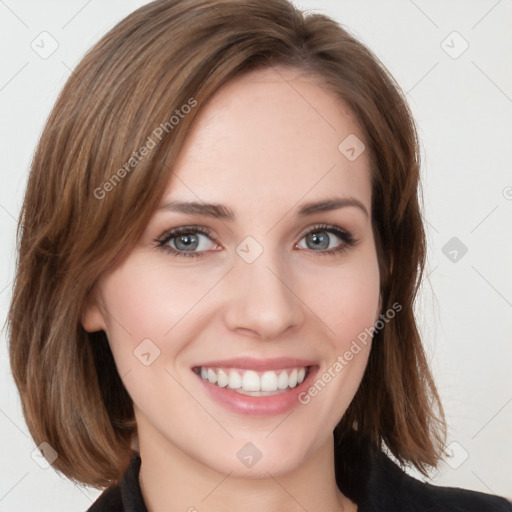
(92, 317)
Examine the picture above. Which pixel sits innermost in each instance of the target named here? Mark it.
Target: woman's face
(274, 293)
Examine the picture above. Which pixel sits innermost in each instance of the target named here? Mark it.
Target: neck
(170, 479)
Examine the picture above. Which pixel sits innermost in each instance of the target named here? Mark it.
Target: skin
(266, 143)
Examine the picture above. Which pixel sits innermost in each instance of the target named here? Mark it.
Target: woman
(220, 247)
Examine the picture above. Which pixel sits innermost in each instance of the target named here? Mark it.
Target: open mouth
(257, 387)
(254, 383)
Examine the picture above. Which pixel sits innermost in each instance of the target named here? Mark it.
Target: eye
(185, 241)
(321, 237)
(193, 241)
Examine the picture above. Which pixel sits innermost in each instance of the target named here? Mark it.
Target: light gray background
(463, 106)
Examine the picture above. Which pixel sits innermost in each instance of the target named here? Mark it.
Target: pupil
(187, 240)
(320, 240)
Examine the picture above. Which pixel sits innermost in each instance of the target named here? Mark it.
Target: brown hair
(167, 54)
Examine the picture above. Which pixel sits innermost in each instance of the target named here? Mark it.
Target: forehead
(268, 139)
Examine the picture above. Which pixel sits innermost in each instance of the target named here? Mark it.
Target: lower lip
(259, 405)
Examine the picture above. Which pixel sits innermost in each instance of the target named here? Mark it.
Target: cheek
(349, 307)
(150, 315)
(151, 302)
(358, 306)
(347, 298)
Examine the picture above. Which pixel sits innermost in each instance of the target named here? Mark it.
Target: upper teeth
(249, 380)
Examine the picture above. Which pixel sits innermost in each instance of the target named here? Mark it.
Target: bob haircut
(91, 193)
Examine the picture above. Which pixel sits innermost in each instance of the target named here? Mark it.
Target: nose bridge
(261, 292)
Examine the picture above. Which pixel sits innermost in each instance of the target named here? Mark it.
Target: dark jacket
(366, 475)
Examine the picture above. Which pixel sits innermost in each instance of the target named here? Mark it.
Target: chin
(258, 455)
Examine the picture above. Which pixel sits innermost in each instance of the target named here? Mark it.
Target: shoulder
(125, 496)
(108, 501)
(391, 488)
(372, 480)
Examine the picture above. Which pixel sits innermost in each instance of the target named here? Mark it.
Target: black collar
(364, 473)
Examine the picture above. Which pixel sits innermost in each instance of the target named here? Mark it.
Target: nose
(261, 300)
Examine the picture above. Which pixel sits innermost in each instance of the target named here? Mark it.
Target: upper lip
(251, 363)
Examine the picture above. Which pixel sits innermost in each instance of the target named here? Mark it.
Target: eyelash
(161, 243)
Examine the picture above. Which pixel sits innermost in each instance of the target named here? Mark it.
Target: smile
(254, 383)
(256, 387)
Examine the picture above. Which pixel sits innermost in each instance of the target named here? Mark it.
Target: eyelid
(162, 241)
(326, 227)
(347, 238)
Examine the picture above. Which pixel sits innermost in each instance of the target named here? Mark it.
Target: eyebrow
(222, 212)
